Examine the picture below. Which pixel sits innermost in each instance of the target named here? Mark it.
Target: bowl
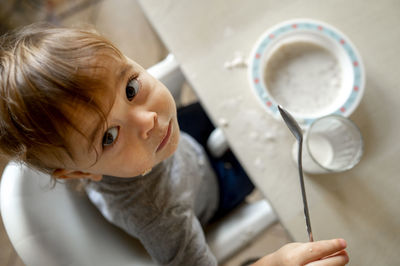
(309, 67)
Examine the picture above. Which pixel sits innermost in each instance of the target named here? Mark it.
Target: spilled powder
(258, 163)
(252, 124)
(223, 122)
(238, 61)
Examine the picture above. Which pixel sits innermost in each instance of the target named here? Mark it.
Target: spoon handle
(303, 191)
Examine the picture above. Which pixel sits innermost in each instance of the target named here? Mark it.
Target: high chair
(59, 226)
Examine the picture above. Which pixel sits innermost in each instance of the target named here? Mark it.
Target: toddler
(73, 106)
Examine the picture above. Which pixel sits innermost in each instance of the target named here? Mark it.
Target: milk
(303, 77)
(317, 152)
(321, 149)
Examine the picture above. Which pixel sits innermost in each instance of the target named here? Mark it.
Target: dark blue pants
(234, 184)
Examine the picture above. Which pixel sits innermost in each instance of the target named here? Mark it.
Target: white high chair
(52, 227)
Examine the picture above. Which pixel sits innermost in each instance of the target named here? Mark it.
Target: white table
(361, 205)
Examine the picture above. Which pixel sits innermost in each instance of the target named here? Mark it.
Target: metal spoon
(298, 134)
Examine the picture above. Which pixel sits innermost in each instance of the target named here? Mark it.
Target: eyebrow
(122, 73)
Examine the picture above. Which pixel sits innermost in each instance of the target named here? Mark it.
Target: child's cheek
(175, 138)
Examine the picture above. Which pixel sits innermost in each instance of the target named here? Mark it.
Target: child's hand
(326, 252)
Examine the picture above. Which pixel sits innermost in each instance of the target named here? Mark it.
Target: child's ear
(71, 174)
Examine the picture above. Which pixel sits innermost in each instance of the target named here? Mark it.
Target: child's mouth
(165, 138)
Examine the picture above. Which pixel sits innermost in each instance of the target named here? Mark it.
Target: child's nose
(145, 122)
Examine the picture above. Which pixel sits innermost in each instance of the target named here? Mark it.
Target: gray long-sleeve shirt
(166, 208)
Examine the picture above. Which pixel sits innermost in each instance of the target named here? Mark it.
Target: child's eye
(110, 136)
(132, 89)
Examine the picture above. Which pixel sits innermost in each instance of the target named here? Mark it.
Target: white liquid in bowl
(304, 77)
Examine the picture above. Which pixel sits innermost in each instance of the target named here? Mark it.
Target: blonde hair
(43, 71)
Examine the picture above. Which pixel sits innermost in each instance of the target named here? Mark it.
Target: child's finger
(316, 250)
(342, 252)
(339, 259)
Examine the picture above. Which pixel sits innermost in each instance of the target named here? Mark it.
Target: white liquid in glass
(321, 149)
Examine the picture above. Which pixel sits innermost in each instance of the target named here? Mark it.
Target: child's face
(142, 125)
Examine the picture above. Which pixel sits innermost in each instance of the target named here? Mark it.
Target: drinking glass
(331, 144)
